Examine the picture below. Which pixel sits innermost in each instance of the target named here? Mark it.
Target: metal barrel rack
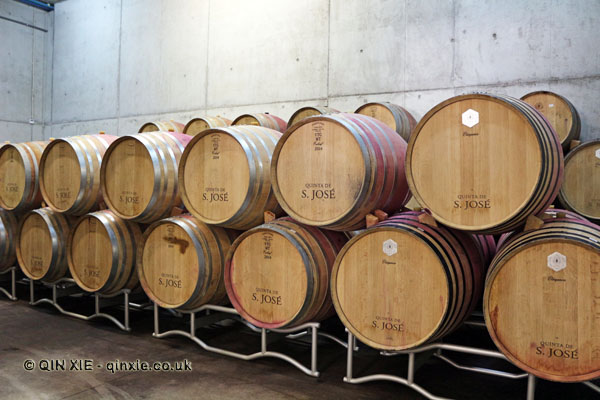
(209, 314)
(12, 280)
(67, 287)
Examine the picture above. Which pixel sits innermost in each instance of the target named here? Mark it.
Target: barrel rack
(208, 318)
(67, 287)
(12, 295)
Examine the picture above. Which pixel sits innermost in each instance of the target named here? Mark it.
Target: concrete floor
(40, 332)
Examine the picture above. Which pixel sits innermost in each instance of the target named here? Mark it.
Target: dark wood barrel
(277, 274)
(19, 175)
(332, 170)
(541, 300)
(466, 163)
(181, 262)
(8, 239)
(42, 244)
(70, 173)
(401, 283)
(139, 175)
(392, 115)
(101, 252)
(201, 124)
(309, 111)
(224, 176)
(261, 119)
(163, 126)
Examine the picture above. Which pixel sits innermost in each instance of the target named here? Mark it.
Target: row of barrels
(400, 284)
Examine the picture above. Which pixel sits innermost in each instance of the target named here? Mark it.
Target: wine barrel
(277, 274)
(561, 114)
(266, 120)
(332, 170)
(402, 283)
(224, 176)
(19, 185)
(138, 176)
(70, 173)
(42, 244)
(180, 262)
(8, 239)
(309, 111)
(541, 300)
(484, 163)
(197, 125)
(580, 191)
(163, 126)
(392, 115)
(101, 252)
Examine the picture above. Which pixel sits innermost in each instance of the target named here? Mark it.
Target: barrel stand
(12, 295)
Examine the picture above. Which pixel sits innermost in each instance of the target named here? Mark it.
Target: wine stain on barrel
(182, 243)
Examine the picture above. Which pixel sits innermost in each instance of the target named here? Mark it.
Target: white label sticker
(557, 262)
(390, 247)
(550, 105)
(598, 153)
(470, 118)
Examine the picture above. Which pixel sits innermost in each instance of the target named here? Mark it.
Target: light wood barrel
(8, 239)
(332, 170)
(580, 191)
(42, 244)
(560, 112)
(261, 119)
(19, 175)
(163, 126)
(197, 125)
(70, 173)
(139, 175)
(101, 252)
(466, 163)
(392, 115)
(402, 283)
(224, 176)
(541, 300)
(181, 261)
(309, 111)
(277, 274)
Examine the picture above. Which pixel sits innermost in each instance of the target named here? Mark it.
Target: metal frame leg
(12, 295)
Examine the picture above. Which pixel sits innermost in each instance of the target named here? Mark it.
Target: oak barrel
(309, 111)
(138, 176)
(19, 177)
(580, 191)
(484, 163)
(261, 119)
(402, 283)
(181, 261)
(332, 170)
(541, 300)
(163, 126)
(224, 176)
(42, 244)
(560, 112)
(70, 173)
(197, 125)
(101, 252)
(277, 274)
(392, 115)
(8, 239)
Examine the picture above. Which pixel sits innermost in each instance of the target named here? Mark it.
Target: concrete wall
(119, 63)
(25, 72)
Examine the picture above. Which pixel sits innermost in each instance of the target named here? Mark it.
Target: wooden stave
(404, 121)
(124, 236)
(206, 291)
(550, 175)
(162, 126)
(89, 195)
(578, 231)
(562, 195)
(8, 236)
(265, 120)
(319, 110)
(59, 226)
(167, 196)
(211, 122)
(30, 153)
(258, 144)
